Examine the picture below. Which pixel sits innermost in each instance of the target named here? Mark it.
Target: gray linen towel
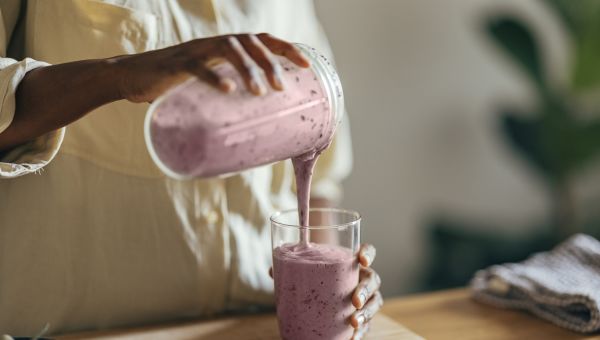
(561, 286)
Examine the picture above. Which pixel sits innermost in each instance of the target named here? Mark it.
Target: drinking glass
(315, 280)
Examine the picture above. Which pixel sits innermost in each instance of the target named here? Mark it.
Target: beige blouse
(92, 235)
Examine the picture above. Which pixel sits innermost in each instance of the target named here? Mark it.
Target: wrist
(113, 74)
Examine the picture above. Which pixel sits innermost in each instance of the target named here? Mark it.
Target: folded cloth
(561, 286)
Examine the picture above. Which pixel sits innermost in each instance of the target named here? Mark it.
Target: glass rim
(354, 213)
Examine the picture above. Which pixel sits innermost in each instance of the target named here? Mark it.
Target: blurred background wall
(421, 84)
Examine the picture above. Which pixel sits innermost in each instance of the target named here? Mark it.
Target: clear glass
(314, 281)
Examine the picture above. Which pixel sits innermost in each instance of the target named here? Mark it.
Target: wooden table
(451, 314)
(249, 327)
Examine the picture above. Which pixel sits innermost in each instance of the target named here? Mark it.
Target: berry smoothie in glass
(315, 276)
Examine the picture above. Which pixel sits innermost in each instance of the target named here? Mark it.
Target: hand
(145, 76)
(366, 298)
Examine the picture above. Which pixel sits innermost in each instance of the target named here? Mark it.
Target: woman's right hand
(145, 76)
(51, 97)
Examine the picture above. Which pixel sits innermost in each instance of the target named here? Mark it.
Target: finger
(363, 316)
(364, 273)
(204, 73)
(239, 58)
(366, 254)
(264, 58)
(368, 285)
(284, 48)
(361, 332)
(271, 272)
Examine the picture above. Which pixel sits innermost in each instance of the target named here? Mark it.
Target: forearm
(51, 97)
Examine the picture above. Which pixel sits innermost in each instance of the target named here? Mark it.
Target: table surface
(249, 327)
(452, 314)
(449, 314)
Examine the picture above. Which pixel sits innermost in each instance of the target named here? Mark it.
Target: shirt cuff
(32, 156)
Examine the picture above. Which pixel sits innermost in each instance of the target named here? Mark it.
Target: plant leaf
(553, 140)
(582, 19)
(524, 135)
(518, 42)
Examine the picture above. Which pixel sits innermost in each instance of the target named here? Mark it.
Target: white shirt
(100, 238)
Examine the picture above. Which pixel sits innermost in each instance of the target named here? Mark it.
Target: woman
(100, 238)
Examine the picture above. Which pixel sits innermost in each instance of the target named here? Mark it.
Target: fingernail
(277, 76)
(278, 82)
(360, 319)
(227, 84)
(257, 88)
(363, 298)
(367, 258)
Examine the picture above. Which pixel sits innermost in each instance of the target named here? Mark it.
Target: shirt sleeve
(34, 155)
(335, 163)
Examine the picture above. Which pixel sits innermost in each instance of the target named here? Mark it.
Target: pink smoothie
(303, 169)
(313, 289)
(197, 131)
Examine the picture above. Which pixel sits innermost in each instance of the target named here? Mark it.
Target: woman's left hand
(366, 298)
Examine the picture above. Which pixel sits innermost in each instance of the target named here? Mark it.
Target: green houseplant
(554, 140)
